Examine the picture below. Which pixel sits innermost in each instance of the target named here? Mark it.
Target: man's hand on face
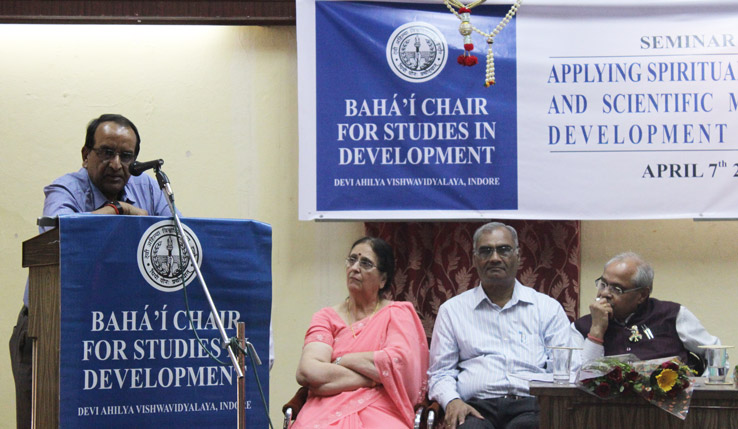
(601, 311)
(456, 412)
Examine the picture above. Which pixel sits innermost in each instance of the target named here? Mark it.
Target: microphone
(139, 167)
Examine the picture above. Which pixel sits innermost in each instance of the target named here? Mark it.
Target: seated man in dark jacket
(625, 319)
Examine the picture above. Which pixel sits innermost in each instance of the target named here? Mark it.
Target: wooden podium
(41, 256)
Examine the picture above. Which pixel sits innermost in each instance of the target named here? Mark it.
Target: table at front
(567, 407)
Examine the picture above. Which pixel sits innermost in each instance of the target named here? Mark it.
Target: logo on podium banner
(162, 261)
(417, 52)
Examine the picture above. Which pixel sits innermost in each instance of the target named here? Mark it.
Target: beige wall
(694, 264)
(219, 105)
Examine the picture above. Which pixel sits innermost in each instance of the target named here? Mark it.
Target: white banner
(621, 110)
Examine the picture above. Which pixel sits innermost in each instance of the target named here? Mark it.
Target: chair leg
(287, 418)
(430, 419)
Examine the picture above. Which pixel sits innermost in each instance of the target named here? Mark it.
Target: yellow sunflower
(667, 379)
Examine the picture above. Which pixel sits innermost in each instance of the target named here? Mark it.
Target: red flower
(670, 365)
(632, 376)
(470, 60)
(464, 10)
(460, 60)
(602, 390)
(469, 46)
(616, 374)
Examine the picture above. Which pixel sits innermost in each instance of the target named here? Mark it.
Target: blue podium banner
(129, 356)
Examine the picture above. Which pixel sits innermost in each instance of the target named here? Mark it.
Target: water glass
(561, 359)
(717, 364)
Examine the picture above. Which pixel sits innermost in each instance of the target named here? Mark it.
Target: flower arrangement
(611, 377)
(664, 383)
(669, 380)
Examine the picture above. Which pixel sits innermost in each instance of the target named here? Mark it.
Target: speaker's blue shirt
(75, 193)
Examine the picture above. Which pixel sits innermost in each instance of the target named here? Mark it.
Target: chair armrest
(297, 401)
(293, 406)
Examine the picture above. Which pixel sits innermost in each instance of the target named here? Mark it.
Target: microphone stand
(226, 343)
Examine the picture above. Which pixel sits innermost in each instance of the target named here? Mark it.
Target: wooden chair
(293, 406)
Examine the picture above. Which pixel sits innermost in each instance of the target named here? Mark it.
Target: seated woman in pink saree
(365, 359)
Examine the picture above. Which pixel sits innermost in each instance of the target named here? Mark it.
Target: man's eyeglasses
(485, 252)
(106, 155)
(614, 289)
(364, 263)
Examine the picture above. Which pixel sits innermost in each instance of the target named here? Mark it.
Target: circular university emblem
(163, 261)
(417, 52)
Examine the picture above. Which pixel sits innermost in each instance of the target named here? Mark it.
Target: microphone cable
(233, 341)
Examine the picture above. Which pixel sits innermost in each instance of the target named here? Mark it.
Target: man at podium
(102, 186)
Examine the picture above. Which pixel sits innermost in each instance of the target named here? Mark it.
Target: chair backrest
(434, 261)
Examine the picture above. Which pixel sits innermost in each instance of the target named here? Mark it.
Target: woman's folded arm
(324, 378)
